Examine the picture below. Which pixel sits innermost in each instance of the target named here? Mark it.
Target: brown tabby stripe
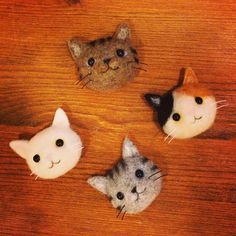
(100, 41)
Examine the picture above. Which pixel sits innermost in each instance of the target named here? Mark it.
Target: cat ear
(153, 99)
(99, 183)
(129, 149)
(60, 118)
(75, 47)
(190, 77)
(123, 32)
(20, 147)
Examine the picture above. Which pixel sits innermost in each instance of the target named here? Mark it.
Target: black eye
(59, 142)
(120, 52)
(36, 158)
(198, 100)
(91, 61)
(176, 116)
(139, 173)
(120, 195)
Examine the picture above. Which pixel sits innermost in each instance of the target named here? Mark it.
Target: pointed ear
(123, 32)
(190, 77)
(20, 147)
(60, 118)
(75, 47)
(129, 149)
(153, 99)
(99, 183)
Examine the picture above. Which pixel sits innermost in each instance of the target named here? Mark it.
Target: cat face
(53, 151)
(106, 63)
(187, 111)
(132, 184)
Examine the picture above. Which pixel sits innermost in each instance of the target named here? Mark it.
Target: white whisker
(171, 139)
(225, 105)
(221, 101)
(36, 178)
(215, 103)
(31, 173)
(169, 134)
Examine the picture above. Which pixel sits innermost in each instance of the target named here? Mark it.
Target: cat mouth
(138, 193)
(110, 68)
(54, 163)
(196, 119)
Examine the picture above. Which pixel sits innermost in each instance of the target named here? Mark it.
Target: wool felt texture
(53, 151)
(132, 184)
(186, 111)
(106, 63)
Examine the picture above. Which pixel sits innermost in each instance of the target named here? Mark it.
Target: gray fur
(138, 192)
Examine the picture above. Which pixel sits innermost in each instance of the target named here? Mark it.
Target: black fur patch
(136, 60)
(116, 169)
(110, 197)
(93, 43)
(154, 167)
(165, 108)
(144, 160)
(102, 41)
(133, 50)
(122, 163)
(109, 174)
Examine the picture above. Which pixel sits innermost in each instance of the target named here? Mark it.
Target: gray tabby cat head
(132, 184)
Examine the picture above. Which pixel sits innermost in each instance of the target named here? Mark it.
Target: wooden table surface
(37, 75)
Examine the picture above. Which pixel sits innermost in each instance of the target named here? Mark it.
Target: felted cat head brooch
(187, 110)
(132, 184)
(106, 63)
(53, 151)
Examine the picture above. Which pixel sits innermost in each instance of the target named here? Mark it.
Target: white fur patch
(194, 118)
(54, 161)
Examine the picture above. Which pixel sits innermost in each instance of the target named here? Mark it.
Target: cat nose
(134, 190)
(107, 60)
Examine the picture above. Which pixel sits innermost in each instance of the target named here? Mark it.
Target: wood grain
(37, 75)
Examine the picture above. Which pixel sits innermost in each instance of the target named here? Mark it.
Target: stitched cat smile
(110, 68)
(54, 163)
(138, 194)
(186, 110)
(106, 63)
(56, 142)
(196, 119)
(132, 184)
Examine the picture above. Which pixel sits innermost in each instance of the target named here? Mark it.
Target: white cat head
(132, 184)
(186, 111)
(53, 151)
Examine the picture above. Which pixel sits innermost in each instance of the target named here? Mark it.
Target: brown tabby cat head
(106, 63)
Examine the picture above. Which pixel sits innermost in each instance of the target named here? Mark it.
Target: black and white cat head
(132, 184)
(186, 111)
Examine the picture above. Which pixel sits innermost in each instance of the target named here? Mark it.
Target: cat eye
(176, 116)
(91, 61)
(59, 142)
(198, 100)
(36, 158)
(120, 52)
(139, 173)
(120, 195)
